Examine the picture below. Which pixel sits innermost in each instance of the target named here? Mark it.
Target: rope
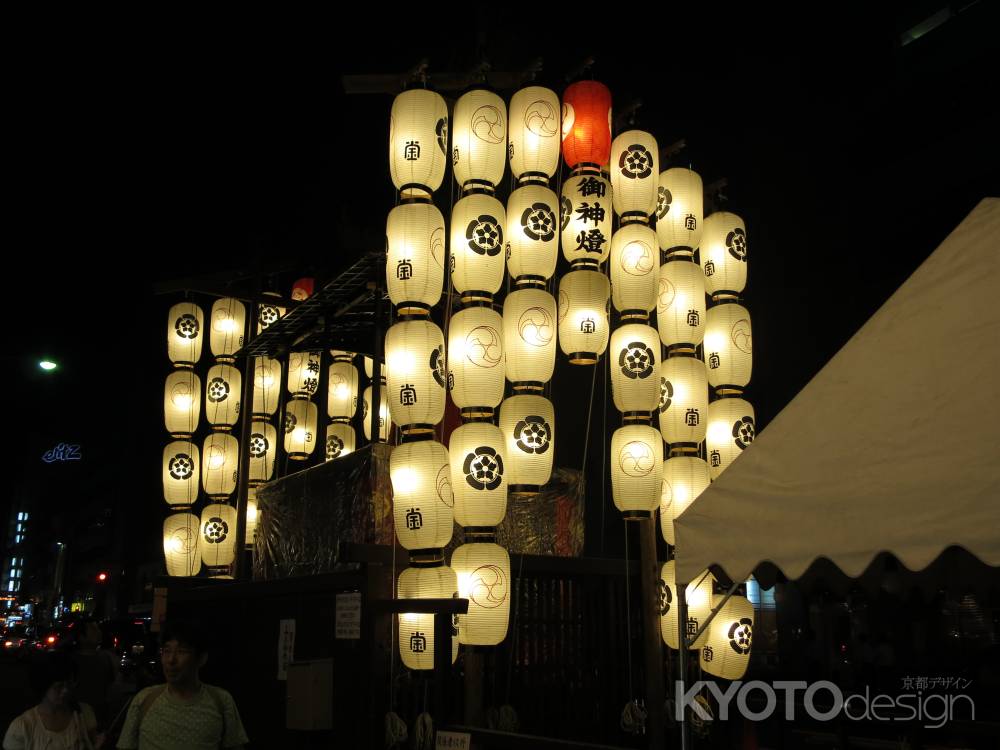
(628, 613)
(395, 730)
(590, 411)
(633, 718)
(514, 639)
(503, 719)
(423, 732)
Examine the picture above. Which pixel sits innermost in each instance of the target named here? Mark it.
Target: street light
(47, 365)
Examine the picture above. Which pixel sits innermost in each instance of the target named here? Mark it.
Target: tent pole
(714, 611)
(682, 662)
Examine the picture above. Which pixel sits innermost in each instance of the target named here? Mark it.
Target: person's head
(87, 634)
(53, 681)
(183, 651)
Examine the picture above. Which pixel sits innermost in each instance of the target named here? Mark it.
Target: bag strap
(149, 700)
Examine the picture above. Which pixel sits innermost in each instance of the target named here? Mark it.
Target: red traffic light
(102, 577)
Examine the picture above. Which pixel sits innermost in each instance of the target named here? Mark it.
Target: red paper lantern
(303, 289)
(586, 123)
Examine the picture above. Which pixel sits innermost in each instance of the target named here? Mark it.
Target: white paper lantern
(422, 498)
(218, 535)
(683, 404)
(181, 472)
(680, 304)
(182, 403)
(342, 390)
(684, 479)
(585, 219)
(415, 259)
(476, 362)
(253, 516)
(416, 630)
(370, 368)
(730, 637)
(223, 396)
(229, 322)
(477, 246)
(529, 335)
(532, 234)
(180, 544)
(339, 440)
(698, 595)
(301, 426)
(635, 174)
(728, 347)
(680, 210)
(263, 451)
(635, 271)
(636, 470)
(266, 386)
(731, 428)
(635, 383)
(185, 334)
(220, 469)
(479, 139)
(528, 425)
(418, 142)
(268, 314)
(724, 254)
(583, 315)
(483, 572)
(533, 134)
(303, 373)
(414, 351)
(383, 414)
(478, 474)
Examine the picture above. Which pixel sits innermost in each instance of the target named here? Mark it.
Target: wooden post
(474, 713)
(651, 641)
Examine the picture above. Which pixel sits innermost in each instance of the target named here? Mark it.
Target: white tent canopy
(894, 445)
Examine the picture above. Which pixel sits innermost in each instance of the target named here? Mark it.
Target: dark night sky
(849, 157)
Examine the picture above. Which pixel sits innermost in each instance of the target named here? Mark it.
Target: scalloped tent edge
(894, 446)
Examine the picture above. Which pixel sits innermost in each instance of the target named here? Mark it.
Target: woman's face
(61, 694)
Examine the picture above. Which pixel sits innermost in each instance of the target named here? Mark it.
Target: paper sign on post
(348, 623)
(453, 741)
(286, 647)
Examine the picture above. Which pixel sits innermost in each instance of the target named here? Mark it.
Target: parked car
(17, 640)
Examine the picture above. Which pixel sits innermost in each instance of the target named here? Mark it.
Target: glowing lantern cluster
(341, 405)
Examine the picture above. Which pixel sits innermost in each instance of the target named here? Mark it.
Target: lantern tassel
(423, 732)
(634, 718)
(395, 730)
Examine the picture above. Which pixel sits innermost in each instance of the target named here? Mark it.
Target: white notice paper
(286, 647)
(348, 624)
(453, 741)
